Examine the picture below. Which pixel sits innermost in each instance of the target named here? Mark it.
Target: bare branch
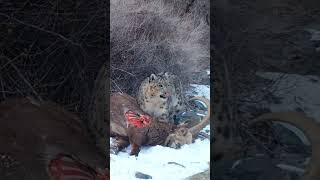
(41, 29)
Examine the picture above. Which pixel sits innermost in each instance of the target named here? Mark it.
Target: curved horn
(197, 128)
(309, 127)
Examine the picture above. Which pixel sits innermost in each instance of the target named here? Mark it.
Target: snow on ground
(154, 161)
(199, 90)
(157, 161)
(297, 92)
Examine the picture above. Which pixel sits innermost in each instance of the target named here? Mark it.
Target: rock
(140, 175)
(200, 176)
(201, 77)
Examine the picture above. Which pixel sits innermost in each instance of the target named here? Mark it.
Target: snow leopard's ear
(166, 74)
(152, 77)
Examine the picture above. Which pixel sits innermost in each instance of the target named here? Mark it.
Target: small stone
(200, 176)
(140, 175)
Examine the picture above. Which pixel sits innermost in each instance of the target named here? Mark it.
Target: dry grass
(157, 35)
(52, 50)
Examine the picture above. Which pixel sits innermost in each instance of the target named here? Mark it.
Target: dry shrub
(52, 49)
(157, 35)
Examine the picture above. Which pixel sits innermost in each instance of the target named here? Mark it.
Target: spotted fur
(161, 96)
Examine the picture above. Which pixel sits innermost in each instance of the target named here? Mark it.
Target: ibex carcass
(153, 132)
(34, 133)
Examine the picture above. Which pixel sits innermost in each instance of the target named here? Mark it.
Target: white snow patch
(199, 90)
(154, 160)
(206, 129)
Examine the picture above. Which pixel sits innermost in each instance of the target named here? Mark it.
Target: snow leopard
(161, 96)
